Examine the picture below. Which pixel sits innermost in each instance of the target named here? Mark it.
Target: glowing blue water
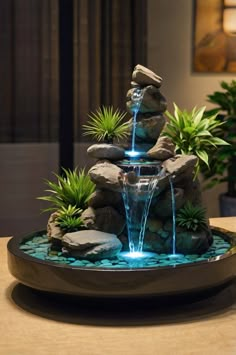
(38, 247)
(136, 99)
(137, 197)
(133, 152)
(173, 255)
(173, 216)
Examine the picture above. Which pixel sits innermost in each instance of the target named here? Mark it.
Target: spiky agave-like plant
(106, 124)
(69, 219)
(73, 188)
(192, 217)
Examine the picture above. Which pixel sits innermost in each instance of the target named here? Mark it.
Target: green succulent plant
(106, 124)
(72, 189)
(192, 132)
(192, 217)
(69, 219)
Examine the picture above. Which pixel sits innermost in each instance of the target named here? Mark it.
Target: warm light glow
(230, 2)
(229, 21)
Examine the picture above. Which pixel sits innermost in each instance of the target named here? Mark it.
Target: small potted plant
(223, 162)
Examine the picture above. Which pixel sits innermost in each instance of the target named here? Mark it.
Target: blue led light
(137, 255)
(132, 153)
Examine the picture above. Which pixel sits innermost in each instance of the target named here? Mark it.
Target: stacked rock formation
(150, 119)
(106, 211)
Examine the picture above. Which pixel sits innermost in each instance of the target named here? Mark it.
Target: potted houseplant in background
(223, 161)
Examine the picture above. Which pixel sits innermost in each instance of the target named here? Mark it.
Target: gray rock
(153, 100)
(168, 226)
(194, 242)
(106, 176)
(180, 165)
(154, 242)
(105, 219)
(89, 217)
(192, 190)
(109, 220)
(102, 198)
(154, 224)
(186, 242)
(106, 151)
(92, 245)
(162, 205)
(53, 231)
(144, 76)
(149, 129)
(163, 149)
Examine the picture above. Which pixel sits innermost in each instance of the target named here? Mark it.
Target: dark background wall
(60, 59)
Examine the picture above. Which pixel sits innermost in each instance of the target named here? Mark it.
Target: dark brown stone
(162, 150)
(149, 129)
(144, 76)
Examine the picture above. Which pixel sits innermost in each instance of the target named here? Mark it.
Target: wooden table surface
(33, 324)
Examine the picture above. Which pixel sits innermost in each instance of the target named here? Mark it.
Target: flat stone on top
(144, 76)
(106, 151)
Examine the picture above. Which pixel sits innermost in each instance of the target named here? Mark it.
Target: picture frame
(214, 40)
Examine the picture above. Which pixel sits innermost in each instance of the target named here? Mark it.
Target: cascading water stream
(137, 192)
(173, 217)
(136, 99)
(137, 199)
(174, 254)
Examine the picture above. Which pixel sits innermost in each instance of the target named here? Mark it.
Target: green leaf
(203, 156)
(189, 130)
(219, 141)
(198, 116)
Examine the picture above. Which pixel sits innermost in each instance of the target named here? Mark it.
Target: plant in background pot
(223, 162)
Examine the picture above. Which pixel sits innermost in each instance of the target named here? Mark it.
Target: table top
(31, 323)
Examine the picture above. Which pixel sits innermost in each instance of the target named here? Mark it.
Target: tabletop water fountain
(134, 226)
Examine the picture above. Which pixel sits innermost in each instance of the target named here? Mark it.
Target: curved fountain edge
(103, 282)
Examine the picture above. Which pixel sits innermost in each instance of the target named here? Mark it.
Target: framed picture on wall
(214, 48)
